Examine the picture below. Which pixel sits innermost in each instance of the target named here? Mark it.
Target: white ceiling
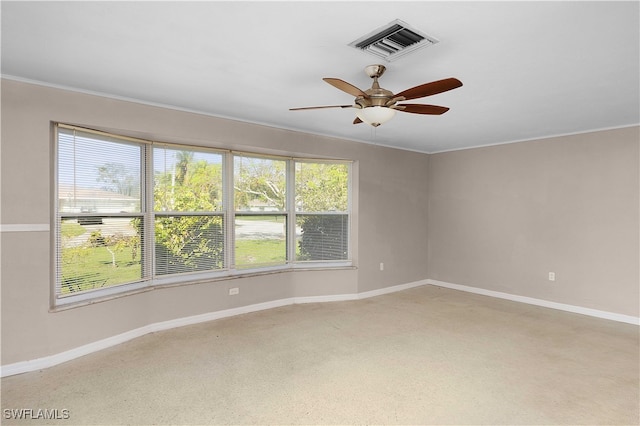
(530, 69)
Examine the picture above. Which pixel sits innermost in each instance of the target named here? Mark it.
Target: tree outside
(259, 184)
(322, 191)
(191, 182)
(189, 228)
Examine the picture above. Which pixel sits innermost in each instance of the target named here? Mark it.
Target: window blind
(99, 221)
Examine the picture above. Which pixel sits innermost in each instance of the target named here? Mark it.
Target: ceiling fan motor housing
(376, 95)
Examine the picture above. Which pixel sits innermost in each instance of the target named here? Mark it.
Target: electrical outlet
(381, 266)
(234, 291)
(552, 276)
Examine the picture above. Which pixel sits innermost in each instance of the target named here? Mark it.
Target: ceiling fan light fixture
(375, 115)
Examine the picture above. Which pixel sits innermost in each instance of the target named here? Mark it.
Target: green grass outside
(86, 268)
(251, 253)
(89, 268)
(71, 229)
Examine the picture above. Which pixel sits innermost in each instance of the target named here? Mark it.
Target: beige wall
(498, 218)
(387, 178)
(501, 218)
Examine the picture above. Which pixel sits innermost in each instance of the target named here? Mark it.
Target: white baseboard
(51, 360)
(393, 289)
(540, 302)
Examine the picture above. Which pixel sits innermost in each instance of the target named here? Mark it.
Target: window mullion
(148, 227)
(229, 212)
(349, 207)
(291, 211)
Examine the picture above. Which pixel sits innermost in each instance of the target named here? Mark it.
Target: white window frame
(228, 214)
(302, 264)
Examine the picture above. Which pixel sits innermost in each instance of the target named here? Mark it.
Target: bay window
(132, 213)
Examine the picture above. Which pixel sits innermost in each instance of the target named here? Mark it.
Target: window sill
(158, 284)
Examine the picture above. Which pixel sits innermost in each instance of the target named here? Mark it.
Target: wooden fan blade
(345, 87)
(357, 121)
(429, 89)
(320, 107)
(422, 109)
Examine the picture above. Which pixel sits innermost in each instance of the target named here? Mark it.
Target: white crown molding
(187, 110)
(539, 138)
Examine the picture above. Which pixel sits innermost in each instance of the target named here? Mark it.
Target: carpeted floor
(428, 355)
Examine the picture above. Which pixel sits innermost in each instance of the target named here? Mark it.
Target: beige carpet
(423, 356)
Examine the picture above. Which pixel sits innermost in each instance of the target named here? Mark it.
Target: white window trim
(228, 213)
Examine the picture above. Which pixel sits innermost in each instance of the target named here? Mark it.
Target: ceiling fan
(376, 105)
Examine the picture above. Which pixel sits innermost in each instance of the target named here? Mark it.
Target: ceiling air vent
(393, 40)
